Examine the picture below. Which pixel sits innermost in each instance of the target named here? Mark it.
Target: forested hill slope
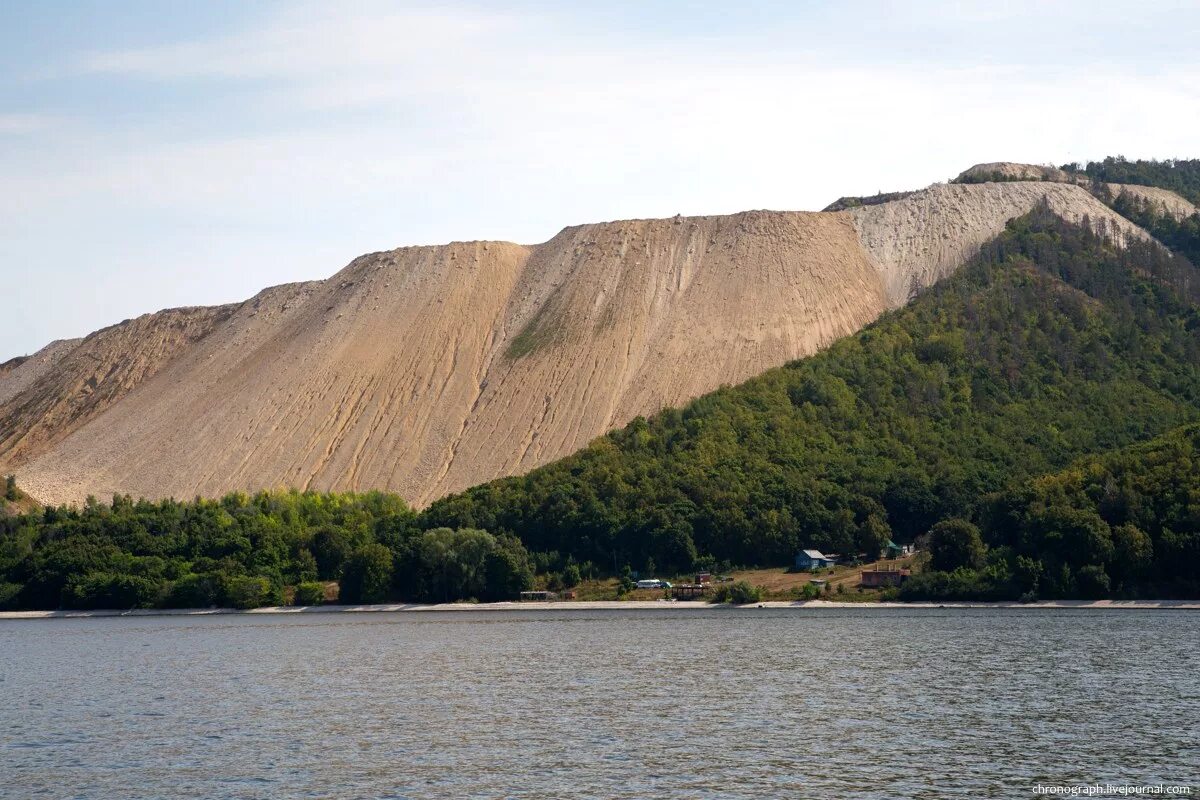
(1053, 344)
(1126, 522)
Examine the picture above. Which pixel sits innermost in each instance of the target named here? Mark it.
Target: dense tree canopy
(1125, 523)
(954, 544)
(245, 551)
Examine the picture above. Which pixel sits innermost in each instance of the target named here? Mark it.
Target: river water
(821, 703)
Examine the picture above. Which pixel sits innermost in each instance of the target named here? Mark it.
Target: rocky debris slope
(1163, 201)
(998, 171)
(617, 320)
(71, 385)
(18, 373)
(918, 240)
(425, 370)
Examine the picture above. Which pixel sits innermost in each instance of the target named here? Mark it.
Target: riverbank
(598, 605)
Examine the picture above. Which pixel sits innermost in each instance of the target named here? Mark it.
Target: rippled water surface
(723, 703)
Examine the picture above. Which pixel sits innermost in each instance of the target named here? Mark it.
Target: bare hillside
(425, 370)
(1166, 201)
(18, 373)
(616, 320)
(918, 240)
(1163, 200)
(1013, 171)
(76, 381)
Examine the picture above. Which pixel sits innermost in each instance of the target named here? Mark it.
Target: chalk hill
(425, 370)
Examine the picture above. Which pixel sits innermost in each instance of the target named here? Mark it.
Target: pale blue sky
(155, 154)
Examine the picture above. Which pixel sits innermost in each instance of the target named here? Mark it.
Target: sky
(165, 153)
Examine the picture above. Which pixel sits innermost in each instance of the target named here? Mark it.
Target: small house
(813, 559)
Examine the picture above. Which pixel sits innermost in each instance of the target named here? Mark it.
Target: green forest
(1123, 524)
(243, 551)
(1003, 419)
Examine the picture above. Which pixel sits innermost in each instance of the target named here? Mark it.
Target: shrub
(245, 591)
(1093, 582)
(309, 593)
(740, 593)
(625, 584)
(105, 590)
(194, 591)
(992, 583)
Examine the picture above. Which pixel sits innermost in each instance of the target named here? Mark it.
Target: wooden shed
(884, 576)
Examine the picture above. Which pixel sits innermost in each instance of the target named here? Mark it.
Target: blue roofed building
(813, 559)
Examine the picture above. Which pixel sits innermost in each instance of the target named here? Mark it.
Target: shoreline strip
(599, 605)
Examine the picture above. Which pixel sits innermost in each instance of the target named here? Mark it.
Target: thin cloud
(25, 123)
(303, 44)
(334, 134)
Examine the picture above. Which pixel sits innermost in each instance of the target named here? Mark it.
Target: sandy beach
(599, 605)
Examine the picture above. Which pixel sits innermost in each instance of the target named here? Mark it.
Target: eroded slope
(18, 373)
(1164, 201)
(615, 320)
(69, 383)
(363, 383)
(918, 240)
(425, 370)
